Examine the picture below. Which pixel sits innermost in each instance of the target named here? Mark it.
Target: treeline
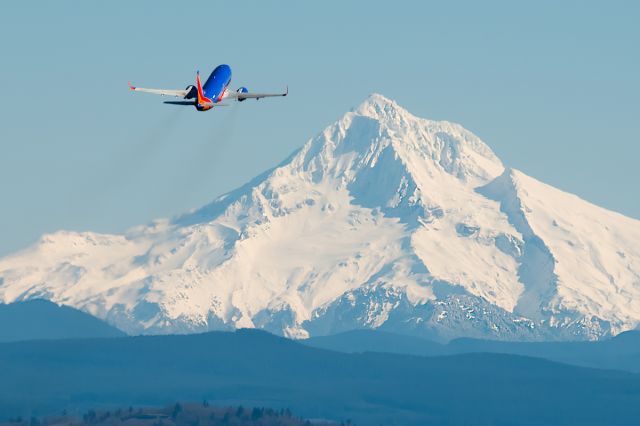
(178, 415)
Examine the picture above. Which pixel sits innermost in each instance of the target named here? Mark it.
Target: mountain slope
(384, 220)
(621, 352)
(590, 255)
(40, 319)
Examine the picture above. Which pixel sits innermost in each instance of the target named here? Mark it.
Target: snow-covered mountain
(384, 220)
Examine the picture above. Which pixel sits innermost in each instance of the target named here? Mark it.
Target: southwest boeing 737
(211, 93)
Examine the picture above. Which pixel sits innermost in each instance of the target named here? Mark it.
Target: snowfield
(384, 220)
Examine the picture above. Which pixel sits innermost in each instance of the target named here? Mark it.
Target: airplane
(209, 95)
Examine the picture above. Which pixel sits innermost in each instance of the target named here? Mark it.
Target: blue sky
(552, 87)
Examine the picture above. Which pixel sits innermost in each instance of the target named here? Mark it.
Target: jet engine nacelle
(192, 92)
(242, 90)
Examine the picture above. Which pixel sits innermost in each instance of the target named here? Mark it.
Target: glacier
(384, 220)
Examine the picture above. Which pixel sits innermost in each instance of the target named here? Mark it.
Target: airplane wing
(241, 96)
(163, 92)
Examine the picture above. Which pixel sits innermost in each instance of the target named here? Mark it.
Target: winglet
(287, 91)
(131, 87)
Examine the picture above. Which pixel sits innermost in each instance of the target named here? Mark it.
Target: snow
(382, 220)
(596, 251)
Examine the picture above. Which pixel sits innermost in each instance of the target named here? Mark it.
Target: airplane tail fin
(201, 98)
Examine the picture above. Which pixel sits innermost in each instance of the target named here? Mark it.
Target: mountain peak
(379, 128)
(378, 99)
(379, 106)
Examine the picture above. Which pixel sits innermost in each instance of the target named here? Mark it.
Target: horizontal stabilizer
(190, 103)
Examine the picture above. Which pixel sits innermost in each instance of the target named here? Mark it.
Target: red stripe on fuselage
(223, 92)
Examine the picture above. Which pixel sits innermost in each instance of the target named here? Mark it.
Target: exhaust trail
(156, 139)
(198, 154)
(125, 165)
(211, 151)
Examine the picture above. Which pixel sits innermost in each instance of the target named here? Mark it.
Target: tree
(225, 419)
(90, 417)
(256, 413)
(176, 410)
